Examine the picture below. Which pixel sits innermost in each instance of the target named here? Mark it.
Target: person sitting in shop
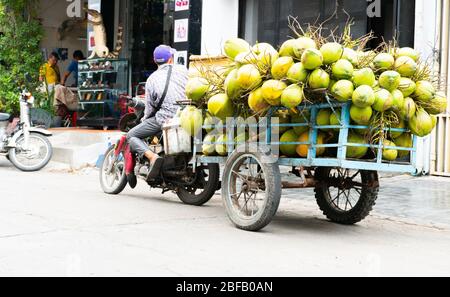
(73, 68)
(49, 72)
(162, 90)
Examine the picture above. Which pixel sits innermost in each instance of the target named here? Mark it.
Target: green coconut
(191, 120)
(388, 153)
(331, 52)
(297, 73)
(389, 80)
(292, 96)
(424, 91)
(351, 56)
(335, 119)
(256, 101)
(343, 90)
(383, 100)
(384, 61)
(302, 118)
(408, 109)
(323, 118)
(235, 46)
(342, 69)
(196, 88)
(281, 67)
(361, 115)
(312, 59)
(209, 148)
(398, 100)
(438, 104)
(222, 146)
(408, 52)
(404, 141)
(249, 77)
(400, 125)
(364, 76)
(356, 152)
(363, 96)
(301, 44)
(221, 106)
(212, 122)
(421, 123)
(407, 86)
(272, 90)
(289, 150)
(266, 53)
(232, 87)
(283, 118)
(319, 79)
(405, 66)
(287, 49)
(246, 58)
(434, 120)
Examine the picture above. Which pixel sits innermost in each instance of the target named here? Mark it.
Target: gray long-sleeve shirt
(154, 89)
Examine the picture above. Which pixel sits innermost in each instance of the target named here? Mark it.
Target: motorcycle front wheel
(36, 157)
(113, 179)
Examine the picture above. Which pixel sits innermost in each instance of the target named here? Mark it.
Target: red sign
(181, 5)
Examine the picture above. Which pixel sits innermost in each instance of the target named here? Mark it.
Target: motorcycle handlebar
(134, 102)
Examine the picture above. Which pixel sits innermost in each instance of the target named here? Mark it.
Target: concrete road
(54, 224)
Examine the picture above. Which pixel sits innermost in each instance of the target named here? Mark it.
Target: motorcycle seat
(4, 117)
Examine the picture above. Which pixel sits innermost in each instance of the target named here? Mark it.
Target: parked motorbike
(195, 184)
(26, 147)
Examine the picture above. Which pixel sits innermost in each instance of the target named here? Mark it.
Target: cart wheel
(251, 190)
(346, 196)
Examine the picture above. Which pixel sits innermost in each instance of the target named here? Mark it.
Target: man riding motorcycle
(162, 90)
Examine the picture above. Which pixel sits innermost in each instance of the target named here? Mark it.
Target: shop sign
(181, 5)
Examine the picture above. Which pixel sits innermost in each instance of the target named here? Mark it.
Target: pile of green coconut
(389, 88)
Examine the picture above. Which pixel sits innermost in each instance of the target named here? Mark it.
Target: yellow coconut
(256, 101)
(272, 90)
(281, 67)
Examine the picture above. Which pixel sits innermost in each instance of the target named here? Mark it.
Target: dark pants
(147, 129)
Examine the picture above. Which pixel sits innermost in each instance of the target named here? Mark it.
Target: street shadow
(305, 222)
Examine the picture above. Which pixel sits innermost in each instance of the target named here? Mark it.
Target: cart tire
(365, 190)
(268, 186)
(212, 185)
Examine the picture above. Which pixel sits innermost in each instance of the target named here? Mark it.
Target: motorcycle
(194, 184)
(26, 147)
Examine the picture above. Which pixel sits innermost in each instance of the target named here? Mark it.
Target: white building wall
(220, 22)
(426, 42)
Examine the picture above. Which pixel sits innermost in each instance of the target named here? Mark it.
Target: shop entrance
(151, 25)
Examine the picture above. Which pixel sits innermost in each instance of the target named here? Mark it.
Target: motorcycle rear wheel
(196, 196)
(26, 160)
(114, 182)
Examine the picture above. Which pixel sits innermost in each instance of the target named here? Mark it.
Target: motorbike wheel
(209, 178)
(36, 157)
(115, 181)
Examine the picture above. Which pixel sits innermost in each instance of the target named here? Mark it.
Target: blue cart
(346, 189)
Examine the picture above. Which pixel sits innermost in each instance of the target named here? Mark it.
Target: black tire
(210, 188)
(121, 182)
(12, 156)
(269, 182)
(365, 187)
